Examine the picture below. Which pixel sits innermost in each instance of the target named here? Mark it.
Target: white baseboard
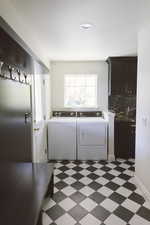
(143, 189)
(111, 157)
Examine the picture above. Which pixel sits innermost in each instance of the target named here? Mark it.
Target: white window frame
(96, 92)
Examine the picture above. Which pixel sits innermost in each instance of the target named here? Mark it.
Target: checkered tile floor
(95, 193)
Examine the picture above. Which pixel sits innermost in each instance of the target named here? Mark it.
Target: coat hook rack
(12, 73)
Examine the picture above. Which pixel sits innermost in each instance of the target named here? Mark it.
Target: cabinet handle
(133, 125)
(36, 129)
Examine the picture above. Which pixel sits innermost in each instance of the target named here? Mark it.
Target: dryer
(91, 138)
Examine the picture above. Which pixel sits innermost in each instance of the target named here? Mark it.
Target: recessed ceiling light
(86, 26)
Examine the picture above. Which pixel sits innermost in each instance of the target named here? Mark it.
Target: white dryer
(91, 138)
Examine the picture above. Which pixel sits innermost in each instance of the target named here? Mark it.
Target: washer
(62, 138)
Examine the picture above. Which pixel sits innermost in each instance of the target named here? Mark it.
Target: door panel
(15, 131)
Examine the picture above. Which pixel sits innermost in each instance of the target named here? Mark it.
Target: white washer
(62, 138)
(91, 138)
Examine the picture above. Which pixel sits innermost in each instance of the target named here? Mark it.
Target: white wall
(60, 68)
(143, 110)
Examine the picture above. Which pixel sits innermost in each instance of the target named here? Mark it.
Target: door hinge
(44, 117)
(43, 82)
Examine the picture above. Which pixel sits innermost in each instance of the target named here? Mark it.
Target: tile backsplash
(119, 103)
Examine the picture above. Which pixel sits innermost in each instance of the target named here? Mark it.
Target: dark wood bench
(23, 187)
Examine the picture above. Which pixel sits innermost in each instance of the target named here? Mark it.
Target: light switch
(145, 121)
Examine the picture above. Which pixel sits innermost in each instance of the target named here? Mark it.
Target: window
(80, 90)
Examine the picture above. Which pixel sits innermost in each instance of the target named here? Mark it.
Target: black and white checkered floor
(95, 193)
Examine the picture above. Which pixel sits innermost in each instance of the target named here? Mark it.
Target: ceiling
(56, 23)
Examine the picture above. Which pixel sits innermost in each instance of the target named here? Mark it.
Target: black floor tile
(117, 197)
(100, 213)
(61, 185)
(123, 213)
(113, 186)
(59, 196)
(136, 198)
(97, 197)
(129, 186)
(55, 212)
(78, 212)
(94, 185)
(144, 212)
(77, 197)
(93, 176)
(77, 176)
(77, 185)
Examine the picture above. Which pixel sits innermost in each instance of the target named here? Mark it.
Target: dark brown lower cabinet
(124, 139)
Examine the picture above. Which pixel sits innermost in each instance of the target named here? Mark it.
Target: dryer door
(92, 133)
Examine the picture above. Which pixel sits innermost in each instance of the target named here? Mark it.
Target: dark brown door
(15, 123)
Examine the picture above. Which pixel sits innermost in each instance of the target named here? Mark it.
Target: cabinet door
(131, 77)
(118, 73)
(122, 76)
(132, 141)
(122, 140)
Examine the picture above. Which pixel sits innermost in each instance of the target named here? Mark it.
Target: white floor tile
(114, 172)
(105, 191)
(146, 205)
(118, 181)
(69, 180)
(46, 219)
(57, 171)
(85, 172)
(98, 165)
(68, 190)
(86, 190)
(56, 179)
(67, 204)
(55, 190)
(70, 165)
(88, 204)
(65, 219)
(109, 205)
(137, 220)
(111, 165)
(132, 206)
(84, 165)
(85, 180)
(114, 220)
(99, 172)
(102, 180)
(70, 172)
(129, 172)
(90, 220)
(124, 191)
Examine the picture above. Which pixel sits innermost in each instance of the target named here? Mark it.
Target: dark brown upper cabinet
(122, 75)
